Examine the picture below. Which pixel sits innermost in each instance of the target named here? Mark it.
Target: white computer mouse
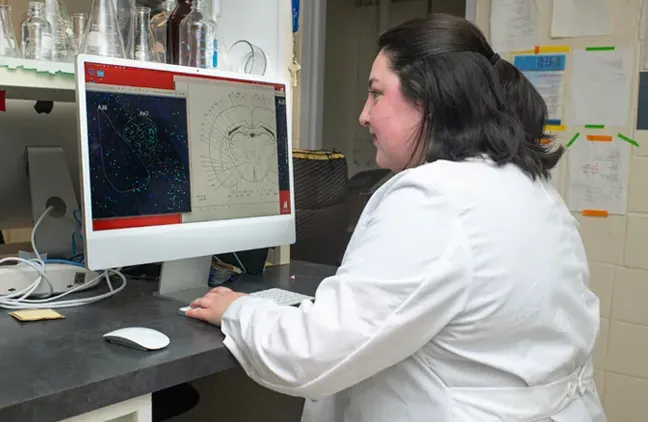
(139, 338)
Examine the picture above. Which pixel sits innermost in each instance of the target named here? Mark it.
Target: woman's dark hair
(474, 103)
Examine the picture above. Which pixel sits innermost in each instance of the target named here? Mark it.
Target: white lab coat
(463, 297)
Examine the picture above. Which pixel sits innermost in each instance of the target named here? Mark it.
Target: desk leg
(133, 410)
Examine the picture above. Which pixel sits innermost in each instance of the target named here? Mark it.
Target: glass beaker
(182, 9)
(8, 42)
(102, 36)
(196, 37)
(143, 44)
(36, 33)
(159, 26)
(126, 19)
(79, 22)
(63, 45)
(245, 57)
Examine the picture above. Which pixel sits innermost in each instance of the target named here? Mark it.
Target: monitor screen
(172, 148)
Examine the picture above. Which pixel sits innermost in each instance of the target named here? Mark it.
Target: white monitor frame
(186, 241)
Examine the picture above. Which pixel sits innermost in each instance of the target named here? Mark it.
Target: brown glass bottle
(173, 30)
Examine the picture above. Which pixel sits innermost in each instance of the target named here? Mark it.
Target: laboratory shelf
(35, 80)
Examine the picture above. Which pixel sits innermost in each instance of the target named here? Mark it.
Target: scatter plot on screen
(139, 155)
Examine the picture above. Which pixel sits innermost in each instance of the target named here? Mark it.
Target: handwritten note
(581, 18)
(599, 92)
(547, 74)
(598, 175)
(513, 25)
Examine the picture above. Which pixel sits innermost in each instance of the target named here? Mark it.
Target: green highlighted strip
(573, 139)
(594, 126)
(628, 140)
(604, 48)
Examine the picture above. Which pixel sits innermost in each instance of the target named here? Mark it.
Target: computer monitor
(179, 164)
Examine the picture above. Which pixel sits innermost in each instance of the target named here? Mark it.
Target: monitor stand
(185, 280)
(50, 184)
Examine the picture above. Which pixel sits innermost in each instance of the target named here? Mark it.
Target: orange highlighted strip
(599, 138)
(594, 213)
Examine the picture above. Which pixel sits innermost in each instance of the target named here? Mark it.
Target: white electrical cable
(240, 263)
(18, 300)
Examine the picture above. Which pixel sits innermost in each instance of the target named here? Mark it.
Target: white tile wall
(617, 246)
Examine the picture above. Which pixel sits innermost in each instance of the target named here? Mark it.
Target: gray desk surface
(51, 370)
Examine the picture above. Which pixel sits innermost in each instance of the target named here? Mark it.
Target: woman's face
(391, 119)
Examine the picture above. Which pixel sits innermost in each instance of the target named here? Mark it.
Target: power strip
(64, 277)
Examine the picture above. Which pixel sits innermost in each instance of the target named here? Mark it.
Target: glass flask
(196, 37)
(182, 9)
(102, 36)
(36, 33)
(63, 45)
(79, 22)
(126, 19)
(159, 28)
(143, 43)
(8, 42)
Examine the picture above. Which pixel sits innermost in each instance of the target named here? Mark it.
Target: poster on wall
(599, 92)
(581, 18)
(598, 168)
(513, 25)
(547, 74)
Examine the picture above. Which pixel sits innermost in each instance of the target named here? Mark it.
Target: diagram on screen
(235, 157)
(242, 146)
(139, 158)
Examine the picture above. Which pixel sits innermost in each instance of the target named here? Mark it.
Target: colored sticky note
(599, 138)
(594, 213)
(544, 49)
(540, 49)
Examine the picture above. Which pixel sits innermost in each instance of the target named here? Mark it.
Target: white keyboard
(280, 296)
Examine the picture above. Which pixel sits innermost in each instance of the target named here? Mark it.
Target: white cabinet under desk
(137, 409)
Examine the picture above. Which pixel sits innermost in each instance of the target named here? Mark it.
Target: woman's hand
(213, 305)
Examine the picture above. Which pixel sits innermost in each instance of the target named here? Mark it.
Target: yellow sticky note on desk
(35, 314)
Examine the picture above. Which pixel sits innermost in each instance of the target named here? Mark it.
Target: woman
(463, 295)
